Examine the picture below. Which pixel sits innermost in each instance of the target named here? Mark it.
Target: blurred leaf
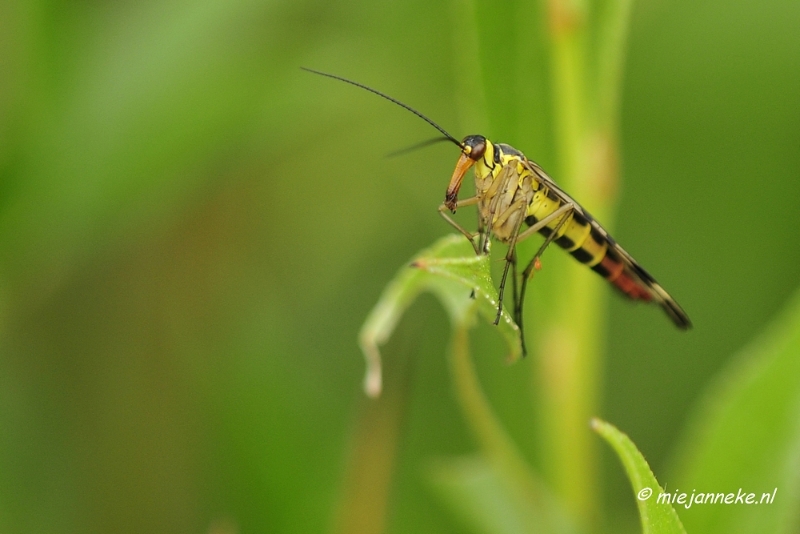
(450, 270)
(656, 517)
(746, 435)
(476, 493)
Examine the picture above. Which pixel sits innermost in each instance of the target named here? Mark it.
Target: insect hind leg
(563, 212)
(517, 307)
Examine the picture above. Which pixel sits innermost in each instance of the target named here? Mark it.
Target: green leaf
(745, 435)
(657, 517)
(452, 271)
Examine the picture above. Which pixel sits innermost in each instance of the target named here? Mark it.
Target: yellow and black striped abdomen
(591, 245)
(576, 235)
(580, 236)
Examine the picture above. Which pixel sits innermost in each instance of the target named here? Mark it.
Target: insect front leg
(443, 209)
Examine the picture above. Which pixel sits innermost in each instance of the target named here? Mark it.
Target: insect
(516, 199)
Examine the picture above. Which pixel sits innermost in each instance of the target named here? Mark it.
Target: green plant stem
(612, 33)
(569, 352)
(586, 102)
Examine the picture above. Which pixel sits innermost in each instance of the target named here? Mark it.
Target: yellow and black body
(516, 198)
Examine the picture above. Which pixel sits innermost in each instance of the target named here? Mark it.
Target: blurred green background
(192, 231)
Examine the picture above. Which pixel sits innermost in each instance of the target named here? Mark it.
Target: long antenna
(416, 146)
(390, 99)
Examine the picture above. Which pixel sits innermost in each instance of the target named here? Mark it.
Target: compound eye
(478, 149)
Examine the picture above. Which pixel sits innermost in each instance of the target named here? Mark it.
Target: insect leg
(564, 212)
(519, 206)
(461, 203)
(517, 307)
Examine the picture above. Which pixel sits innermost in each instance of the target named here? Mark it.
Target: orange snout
(463, 165)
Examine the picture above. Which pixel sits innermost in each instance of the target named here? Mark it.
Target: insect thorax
(506, 187)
